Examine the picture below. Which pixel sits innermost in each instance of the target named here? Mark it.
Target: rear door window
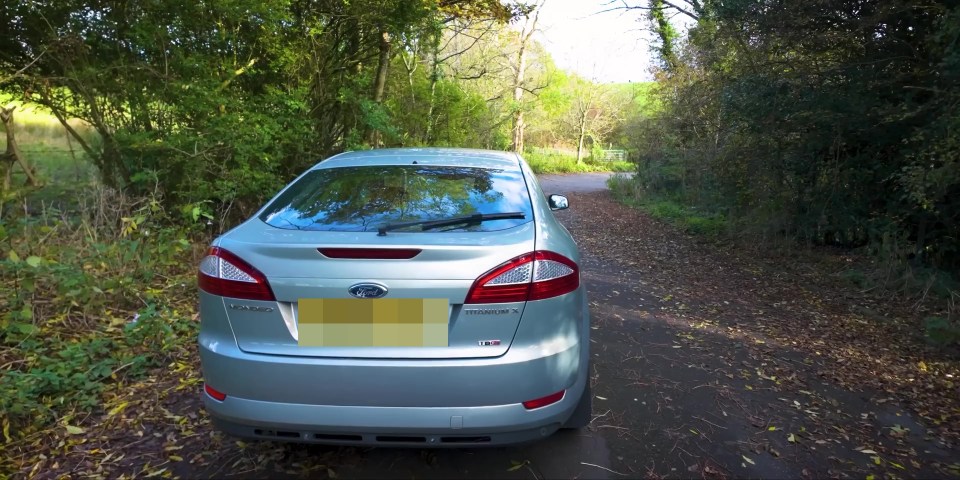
(360, 199)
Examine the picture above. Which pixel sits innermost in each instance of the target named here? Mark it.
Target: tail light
(225, 274)
(532, 276)
(544, 401)
(214, 393)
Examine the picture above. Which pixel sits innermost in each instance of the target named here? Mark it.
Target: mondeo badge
(367, 290)
(250, 308)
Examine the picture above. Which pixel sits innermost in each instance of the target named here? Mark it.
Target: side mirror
(558, 202)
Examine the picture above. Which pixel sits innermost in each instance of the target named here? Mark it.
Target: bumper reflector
(214, 394)
(544, 401)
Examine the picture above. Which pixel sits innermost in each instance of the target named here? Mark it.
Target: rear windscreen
(361, 199)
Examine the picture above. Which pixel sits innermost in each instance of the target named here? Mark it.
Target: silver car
(402, 297)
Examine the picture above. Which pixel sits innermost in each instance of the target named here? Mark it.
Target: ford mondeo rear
(398, 297)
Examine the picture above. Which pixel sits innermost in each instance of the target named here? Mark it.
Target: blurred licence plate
(373, 322)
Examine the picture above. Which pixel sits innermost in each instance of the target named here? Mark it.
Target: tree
(12, 155)
(594, 112)
(660, 13)
(692, 9)
(828, 121)
(519, 78)
(222, 100)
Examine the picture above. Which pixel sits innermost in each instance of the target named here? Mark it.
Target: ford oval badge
(367, 290)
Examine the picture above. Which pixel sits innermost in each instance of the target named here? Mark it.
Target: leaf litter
(852, 362)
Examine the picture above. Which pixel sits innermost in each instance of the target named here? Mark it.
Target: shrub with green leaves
(94, 298)
(942, 331)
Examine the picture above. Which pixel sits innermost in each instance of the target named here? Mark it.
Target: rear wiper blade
(467, 219)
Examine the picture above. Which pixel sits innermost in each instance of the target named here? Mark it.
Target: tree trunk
(382, 65)
(434, 78)
(381, 83)
(519, 76)
(580, 137)
(13, 155)
(433, 102)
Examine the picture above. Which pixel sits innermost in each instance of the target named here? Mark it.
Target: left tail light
(544, 401)
(225, 274)
(214, 393)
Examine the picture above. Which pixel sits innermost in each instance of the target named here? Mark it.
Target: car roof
(461, 157)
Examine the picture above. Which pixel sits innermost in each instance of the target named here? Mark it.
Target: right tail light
(532, 276)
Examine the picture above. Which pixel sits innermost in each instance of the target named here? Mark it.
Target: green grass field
(47, 146)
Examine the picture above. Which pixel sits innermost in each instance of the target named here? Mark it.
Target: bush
(941, 331)
(625, 189)
(665, 209)
(710, 226)
(98, 294)
(630, 191)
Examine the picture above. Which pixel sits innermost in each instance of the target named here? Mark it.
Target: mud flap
(583, 414)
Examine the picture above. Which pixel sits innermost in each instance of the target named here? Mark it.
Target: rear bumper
(426, 403)
(388, 426)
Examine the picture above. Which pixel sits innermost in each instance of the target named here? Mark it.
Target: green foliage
(96, 298)
(456, 112)
(667, 49)
(792, 122)
(691, 219)
(546, 161)
(941, 331)
(622, 166)
(624, 188)
(223, 102)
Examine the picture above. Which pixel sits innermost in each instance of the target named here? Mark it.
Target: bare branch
(464, 50)
(692, 11)
(535, 91)
(19, 73)
(483, 72)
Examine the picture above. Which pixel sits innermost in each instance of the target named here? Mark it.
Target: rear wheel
(584, 412)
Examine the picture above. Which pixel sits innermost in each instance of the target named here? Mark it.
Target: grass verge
(691, 219)
(896, 277)
(547, 162)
